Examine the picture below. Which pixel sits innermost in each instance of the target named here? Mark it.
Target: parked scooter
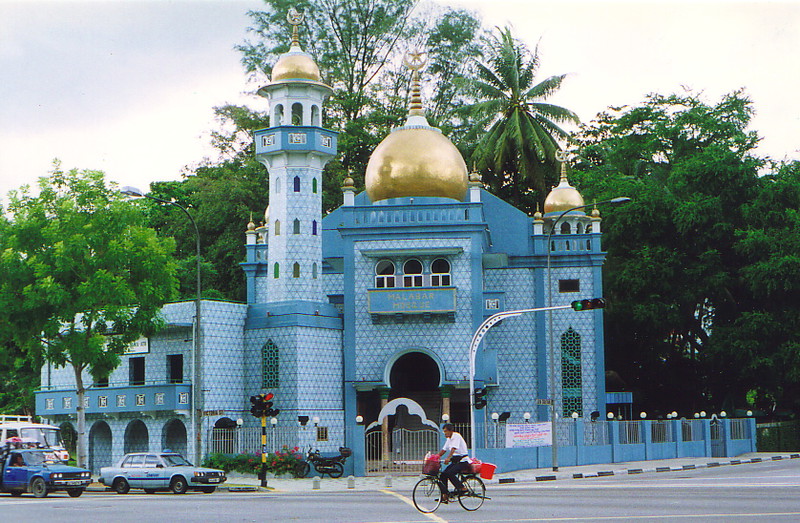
(332, 466)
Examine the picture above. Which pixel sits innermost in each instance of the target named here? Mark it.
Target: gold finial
(562, 157)
(295, 18)
(415, 60)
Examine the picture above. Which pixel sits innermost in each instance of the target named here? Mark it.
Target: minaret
(295, 148)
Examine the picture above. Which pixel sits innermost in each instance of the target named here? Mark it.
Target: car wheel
(75, 492)
(149, 491)
(178, 485)
(121, 486)
(208, 490)
(39, 487)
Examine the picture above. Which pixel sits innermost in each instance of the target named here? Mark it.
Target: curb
(694, 466)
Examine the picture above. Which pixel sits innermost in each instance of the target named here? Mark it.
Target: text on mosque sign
(393, 301)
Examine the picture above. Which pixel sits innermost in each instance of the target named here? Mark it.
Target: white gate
(401, 453)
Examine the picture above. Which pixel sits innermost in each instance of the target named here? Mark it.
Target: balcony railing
(114, 399)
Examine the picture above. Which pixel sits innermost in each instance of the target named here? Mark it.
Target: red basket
(431, 465)
(487, 470)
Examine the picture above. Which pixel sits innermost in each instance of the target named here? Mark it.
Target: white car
(153, 471)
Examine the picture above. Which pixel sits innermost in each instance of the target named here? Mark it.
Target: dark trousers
(450, 473)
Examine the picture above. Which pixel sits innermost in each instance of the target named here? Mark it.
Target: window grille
(269, 366)
(571, 379)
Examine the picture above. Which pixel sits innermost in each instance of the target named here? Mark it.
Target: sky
(129, 86)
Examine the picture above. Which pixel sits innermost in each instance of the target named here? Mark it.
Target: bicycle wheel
(475, 495)
(427, 495)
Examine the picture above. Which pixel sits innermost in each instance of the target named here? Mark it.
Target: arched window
(579, 228)
(440, 273)
(315, 119)
(277, 185)
(571, 374)
(296, 226)
(314, 185)
(277, 227)
(276, 270)
(278, 115)
(296, 184)
(384, 274)
(270, 366)
(565, 228)
(297, 113)
(412, 273)
(296, 270)
(314, 227)
(314, 271)
(588, 228)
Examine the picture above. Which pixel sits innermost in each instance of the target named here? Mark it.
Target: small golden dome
(564, 196)
(348, 182)
(295, 65)
(595, 213)
(537, 216)
(416, 161)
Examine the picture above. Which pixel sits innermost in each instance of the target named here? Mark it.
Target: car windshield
(38, 458)
(175, 460)
(46, 437)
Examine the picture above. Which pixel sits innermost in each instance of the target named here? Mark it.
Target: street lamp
(551, 348)
(197, 390)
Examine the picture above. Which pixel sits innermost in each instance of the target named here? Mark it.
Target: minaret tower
(294, 149)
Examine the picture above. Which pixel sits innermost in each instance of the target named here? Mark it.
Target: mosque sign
(412, 301)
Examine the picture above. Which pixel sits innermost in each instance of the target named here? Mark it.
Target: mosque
(374, 302)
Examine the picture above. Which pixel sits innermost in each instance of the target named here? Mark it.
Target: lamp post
(551, 348)
(197, 390)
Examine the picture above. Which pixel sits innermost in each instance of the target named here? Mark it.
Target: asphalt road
(768, 491)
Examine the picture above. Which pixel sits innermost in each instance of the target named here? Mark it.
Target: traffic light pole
(487, 324)
(263, 450)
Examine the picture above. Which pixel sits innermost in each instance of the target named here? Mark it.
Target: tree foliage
(517, 133)
(687, 326)
(80, 277)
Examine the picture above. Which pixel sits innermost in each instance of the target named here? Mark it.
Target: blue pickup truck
(40, 472)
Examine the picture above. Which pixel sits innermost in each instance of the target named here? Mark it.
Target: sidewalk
(406, 483)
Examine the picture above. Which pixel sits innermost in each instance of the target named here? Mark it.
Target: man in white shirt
(457, 454)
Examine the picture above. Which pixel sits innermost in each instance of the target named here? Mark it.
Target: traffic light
(587, 305)
(480, 398)
(268, 410)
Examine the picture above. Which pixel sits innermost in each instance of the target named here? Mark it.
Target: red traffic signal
(587, 305)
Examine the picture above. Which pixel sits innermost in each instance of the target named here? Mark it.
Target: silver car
(154, 471)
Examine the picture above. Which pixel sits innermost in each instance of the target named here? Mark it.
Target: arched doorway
(69, 437)
(223, 436)
(416, 375)
(173, 436)
(99, 446)
(137, 438)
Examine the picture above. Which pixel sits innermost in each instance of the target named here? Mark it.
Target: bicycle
(429, 490)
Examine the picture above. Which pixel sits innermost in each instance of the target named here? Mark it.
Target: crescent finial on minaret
(295, 18)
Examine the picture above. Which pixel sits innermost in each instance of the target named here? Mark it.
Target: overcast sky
(128, 87)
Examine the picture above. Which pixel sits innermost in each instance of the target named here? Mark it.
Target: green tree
(80, 277)
(518, 133)
(672, 274)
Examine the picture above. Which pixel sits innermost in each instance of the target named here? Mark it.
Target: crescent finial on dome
(295, 18)
(415, 60)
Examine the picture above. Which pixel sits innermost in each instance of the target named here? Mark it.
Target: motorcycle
(332, 466)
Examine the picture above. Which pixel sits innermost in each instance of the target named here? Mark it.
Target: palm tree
(520, 133)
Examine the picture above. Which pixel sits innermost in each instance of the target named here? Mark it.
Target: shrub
(284, 461)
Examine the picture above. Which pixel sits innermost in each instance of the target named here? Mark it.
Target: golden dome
(564, 196)
(416, 161)
(295, 65)
(348, 182)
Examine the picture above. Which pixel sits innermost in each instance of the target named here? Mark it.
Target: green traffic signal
(587, 305)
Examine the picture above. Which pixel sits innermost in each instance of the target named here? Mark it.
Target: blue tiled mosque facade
(376, 300)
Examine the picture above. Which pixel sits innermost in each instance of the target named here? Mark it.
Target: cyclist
(458, 455)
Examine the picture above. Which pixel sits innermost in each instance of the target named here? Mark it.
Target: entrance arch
(417, 376)
(173, 436)
(137, 438)
(99, 446)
